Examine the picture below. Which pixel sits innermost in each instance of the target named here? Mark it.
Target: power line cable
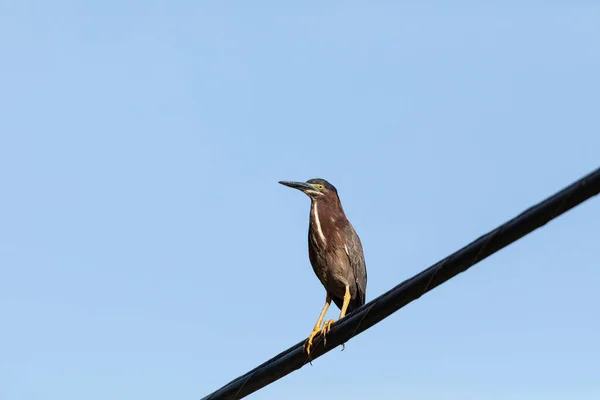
(383, 306)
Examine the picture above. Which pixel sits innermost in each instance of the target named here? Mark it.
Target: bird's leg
(317, 327)
(346, 302)
(345, 307)
(327, 324)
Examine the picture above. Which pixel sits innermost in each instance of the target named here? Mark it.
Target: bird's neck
(325, 218)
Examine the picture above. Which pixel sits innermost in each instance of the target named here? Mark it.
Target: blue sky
(148, 252)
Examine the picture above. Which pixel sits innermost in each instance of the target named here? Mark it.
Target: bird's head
(317, 189)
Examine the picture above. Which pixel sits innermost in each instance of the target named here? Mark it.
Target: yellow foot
(308, 342)
(325, 330)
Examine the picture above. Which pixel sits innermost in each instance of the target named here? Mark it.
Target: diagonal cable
(385, 305)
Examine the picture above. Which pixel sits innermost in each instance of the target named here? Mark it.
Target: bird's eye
(320, 187)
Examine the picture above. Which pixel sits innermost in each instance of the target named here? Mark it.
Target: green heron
(335, 253)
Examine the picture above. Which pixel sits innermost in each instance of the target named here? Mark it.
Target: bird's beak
(302, 186)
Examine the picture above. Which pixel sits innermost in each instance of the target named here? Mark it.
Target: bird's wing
(354, 251)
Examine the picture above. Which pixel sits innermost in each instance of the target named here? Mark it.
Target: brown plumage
(334, 250)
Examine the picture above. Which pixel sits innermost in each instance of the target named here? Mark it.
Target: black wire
(383, 306)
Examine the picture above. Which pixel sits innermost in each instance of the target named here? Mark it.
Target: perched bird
(335, 252)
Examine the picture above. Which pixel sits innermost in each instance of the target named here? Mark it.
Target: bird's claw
(325, 330)
(309, 341)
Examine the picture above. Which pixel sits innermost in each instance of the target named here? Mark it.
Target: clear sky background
(148, 252)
